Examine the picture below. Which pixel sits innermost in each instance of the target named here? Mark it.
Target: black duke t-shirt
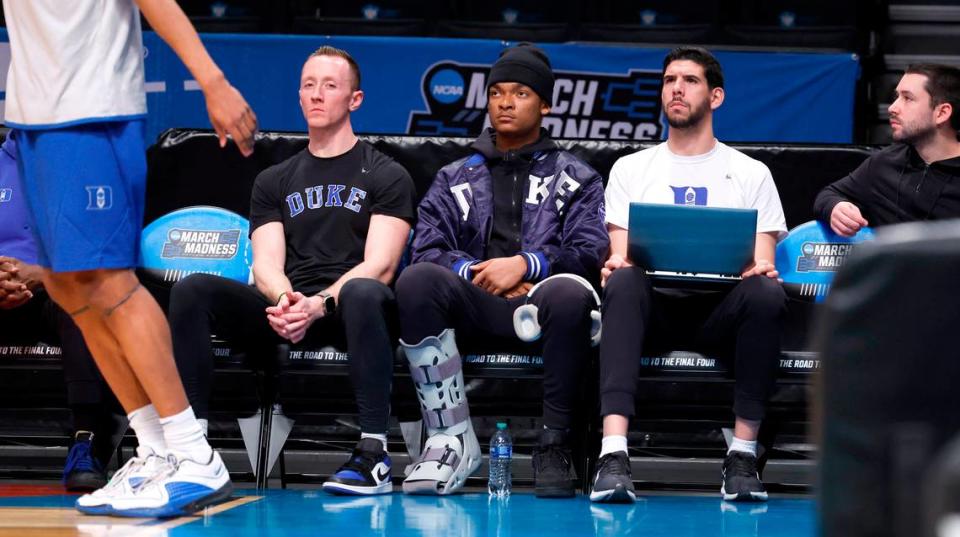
(325, 206)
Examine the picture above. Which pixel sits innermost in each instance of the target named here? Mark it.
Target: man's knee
(421, 280)
(363, 295)
(191, 292)
(193, 287)
(629, 283)
(564, 300)
(763, 296)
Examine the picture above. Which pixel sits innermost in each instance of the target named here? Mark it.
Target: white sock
(746, 446)
(146, 426)
(205, 425)
(381, 437)
(612, 444)
(184, 436)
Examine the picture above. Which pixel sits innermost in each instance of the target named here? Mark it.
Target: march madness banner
(434, 86)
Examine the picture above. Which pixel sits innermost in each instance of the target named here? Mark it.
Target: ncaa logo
(99, 198)
(6, 194)
(807, 248)
(174, 235)
(446, 86)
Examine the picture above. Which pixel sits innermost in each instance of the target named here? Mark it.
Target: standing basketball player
(75, 89)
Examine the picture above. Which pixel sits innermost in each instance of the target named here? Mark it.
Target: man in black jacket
(916, 178)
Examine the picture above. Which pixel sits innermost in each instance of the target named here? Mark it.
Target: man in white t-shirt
(690, 168)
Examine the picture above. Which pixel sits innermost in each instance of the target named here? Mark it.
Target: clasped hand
(502, 276)
(14, 291)
(294, 314)
(762, 267)
(616, 261)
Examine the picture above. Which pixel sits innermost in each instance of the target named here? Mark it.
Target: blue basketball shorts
(85, 185)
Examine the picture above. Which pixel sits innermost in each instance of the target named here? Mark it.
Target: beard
(697, 113)
(914, 132)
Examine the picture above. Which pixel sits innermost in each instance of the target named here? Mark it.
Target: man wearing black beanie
(528, 65)
(516, 212)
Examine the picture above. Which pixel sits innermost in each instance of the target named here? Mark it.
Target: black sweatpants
(91, 402)
(364, 324)
(433, 298)
(744, 323)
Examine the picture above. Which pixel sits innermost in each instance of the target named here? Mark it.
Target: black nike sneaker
(741, 481)
(367, 471)
(552, 470)
(614, 481)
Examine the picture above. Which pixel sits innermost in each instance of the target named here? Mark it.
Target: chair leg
(590, 421)
(268, 385)
(263, 453)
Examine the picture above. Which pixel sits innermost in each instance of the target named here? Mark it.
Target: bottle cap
(501, 425)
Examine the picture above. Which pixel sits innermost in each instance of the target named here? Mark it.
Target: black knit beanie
(527, 65)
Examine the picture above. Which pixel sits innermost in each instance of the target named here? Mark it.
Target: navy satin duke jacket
(563, 227)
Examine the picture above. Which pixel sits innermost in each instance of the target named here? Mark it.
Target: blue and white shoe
(181, 487)
(136, 471)
(367, 471)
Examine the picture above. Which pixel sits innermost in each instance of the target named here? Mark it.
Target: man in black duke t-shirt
(328, 227)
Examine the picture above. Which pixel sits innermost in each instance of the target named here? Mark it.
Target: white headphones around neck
(525, 322)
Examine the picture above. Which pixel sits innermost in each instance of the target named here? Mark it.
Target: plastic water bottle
(501, 454)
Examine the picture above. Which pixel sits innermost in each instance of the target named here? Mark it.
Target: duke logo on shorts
(86, 185)
(99, 198)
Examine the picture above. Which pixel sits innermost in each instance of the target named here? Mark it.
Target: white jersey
(73, 61)
(722, 177)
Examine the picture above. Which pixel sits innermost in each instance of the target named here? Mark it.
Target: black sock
(86, 417)
(104, 447)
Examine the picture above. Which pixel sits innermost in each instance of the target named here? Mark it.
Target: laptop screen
(691, 239)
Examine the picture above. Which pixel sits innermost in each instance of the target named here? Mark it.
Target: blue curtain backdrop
(435, 86)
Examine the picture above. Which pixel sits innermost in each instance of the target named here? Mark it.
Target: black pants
(365, 325)
(433, 298)
(91, 402)
(744, 323)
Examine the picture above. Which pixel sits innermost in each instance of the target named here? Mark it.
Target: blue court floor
(312, 512)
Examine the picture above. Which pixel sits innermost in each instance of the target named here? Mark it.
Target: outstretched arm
(229, 112)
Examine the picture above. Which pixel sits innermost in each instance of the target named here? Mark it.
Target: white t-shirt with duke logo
(722, 177)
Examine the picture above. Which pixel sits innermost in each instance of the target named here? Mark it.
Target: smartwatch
(329, 303)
